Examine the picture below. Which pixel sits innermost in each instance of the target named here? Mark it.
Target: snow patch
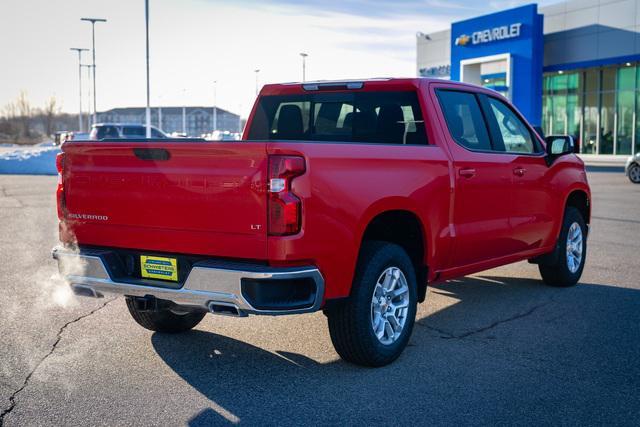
(38, 160)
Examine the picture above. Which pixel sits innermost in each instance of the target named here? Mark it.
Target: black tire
(350, 324)
(558, 273)
(163, 319)
(634, 173)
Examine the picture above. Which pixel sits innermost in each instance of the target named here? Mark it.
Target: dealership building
(571, 68)
(192, 121)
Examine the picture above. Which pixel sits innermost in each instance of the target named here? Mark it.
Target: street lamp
(148, 109)
(184, 111)
(88, 67)
(304, 65)
(79, 50)
(257, 71)
(159, 98)
(93, 51)
(215, 105)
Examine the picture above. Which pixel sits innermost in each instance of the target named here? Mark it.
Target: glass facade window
(598, 106)
(497, 82)
(607, 119)
(625, 109)
(562, 103)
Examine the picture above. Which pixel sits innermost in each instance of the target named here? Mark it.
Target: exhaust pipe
(85, 291)
(226, 309)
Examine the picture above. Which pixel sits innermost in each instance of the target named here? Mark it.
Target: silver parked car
(632, 169)
(102, 131)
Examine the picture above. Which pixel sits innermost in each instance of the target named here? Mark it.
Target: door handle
(152, 153)
(467, 172)
(519, 171)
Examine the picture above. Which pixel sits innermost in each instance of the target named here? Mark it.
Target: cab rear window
(364, 117)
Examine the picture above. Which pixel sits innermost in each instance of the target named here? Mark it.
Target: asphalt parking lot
(498, 347)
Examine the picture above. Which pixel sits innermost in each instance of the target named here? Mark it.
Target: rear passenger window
(134, 132)
(105, 132)
(464, 119)
(366, 117)
(156, 134)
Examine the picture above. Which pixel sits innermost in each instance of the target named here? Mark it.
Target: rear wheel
(164, 319)
(374, 326)
(568, 265)
(634, 173)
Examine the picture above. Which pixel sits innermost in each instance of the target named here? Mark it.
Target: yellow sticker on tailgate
(156, 267)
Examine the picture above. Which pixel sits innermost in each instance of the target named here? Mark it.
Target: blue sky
(197, 42)
(397, 8)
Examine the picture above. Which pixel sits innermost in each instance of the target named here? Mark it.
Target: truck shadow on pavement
(485, 349)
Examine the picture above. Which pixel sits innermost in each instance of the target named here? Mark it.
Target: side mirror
(558, 145)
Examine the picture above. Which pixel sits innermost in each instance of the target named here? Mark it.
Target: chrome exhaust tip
(226, 309)
(85, 291)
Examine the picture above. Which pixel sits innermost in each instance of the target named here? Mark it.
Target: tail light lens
(60, 191)
(285, 208)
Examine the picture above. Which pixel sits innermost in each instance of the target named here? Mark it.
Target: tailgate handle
(152, 153)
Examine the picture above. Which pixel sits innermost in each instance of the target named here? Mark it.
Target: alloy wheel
(390, 305)
(574, 247)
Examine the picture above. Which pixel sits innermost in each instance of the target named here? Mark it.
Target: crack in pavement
(631, 221)
(449, 335)
(12, 398)
(3, 192)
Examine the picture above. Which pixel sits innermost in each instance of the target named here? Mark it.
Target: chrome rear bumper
(209, 283)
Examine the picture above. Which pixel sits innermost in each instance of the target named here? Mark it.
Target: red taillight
(60, 191)
(60, 162)
(285, 208)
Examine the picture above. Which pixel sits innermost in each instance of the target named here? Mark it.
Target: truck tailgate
(190, 197)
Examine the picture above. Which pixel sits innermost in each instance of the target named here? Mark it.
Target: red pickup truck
(346, 197)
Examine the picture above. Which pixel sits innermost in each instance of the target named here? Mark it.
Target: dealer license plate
(156, 267)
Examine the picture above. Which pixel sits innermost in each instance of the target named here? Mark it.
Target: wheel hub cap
(574, 247)
(389, 305)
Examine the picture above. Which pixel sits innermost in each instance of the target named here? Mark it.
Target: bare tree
(9, 111)
(8, 128)
(50, 112)
(24, 113)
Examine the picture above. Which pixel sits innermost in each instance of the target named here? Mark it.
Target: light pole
(304, 65)
(79, 50)
(215, 105)
(93, 52)
(148, 109)
(257, 71)
(159, 97)
(88, 67)
(184, 112)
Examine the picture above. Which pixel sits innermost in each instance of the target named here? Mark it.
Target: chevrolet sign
(490, 35)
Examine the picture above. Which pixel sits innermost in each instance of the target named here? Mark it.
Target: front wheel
(163, 319)
(634, 173)
(374, 326)
(567, 268)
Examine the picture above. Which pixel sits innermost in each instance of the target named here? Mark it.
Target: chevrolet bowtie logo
(463, 40)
